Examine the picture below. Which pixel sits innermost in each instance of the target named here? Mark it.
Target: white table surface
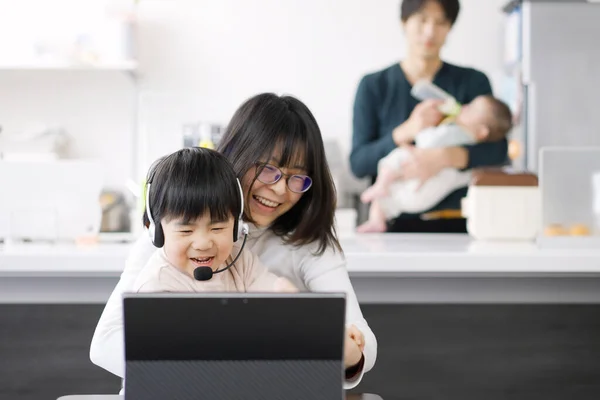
(372, 254)
(383, 268)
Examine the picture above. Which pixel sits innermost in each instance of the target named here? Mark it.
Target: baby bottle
(425, 90)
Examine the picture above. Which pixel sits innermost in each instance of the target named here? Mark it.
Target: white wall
(95, 108)
(228, 50)
(222, 52)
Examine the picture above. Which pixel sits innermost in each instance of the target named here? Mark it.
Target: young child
(194, 205)
(483, 119)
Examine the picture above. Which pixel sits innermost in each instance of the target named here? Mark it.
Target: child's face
(474, 117)
(199, 243)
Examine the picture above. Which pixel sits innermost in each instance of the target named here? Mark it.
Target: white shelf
(119, 66)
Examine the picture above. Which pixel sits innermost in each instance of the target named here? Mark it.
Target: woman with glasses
(275, 146)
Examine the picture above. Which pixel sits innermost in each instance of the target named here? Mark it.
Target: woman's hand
(425, 115)
(354, 345)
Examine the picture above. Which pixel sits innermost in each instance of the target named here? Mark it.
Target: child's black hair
(191, 182)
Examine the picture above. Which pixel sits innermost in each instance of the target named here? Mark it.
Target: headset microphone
(206, 273)
(240, 228)
(157, 235)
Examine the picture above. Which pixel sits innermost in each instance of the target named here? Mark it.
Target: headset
(157, 235)
(240, 228)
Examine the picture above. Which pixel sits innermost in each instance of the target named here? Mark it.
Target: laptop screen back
(268, 344)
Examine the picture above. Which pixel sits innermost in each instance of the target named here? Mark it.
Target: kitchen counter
(387, 268)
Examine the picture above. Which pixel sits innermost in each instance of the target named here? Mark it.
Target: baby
(483, 119)
(194, 206)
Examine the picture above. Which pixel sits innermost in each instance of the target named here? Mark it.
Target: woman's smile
(266, 203)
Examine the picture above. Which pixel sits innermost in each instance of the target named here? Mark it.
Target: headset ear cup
(159, 236)
(236, 230)
(243, 229)
(239, 227)
(151, 232)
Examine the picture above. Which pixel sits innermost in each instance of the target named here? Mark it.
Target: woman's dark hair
(191, 182)
(410, 7)
(267, 122)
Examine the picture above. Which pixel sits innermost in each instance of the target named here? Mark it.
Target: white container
(502, 206)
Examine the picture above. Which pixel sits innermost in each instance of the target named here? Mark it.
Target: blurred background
(92, 92)
(124, 82)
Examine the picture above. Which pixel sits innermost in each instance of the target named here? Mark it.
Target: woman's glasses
(269, 174)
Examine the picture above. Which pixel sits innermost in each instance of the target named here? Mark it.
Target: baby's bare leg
(376, 221)
(380, 188)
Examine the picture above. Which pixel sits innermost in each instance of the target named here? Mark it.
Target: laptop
(234, 346)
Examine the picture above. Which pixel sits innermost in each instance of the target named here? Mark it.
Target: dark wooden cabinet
(529, 352)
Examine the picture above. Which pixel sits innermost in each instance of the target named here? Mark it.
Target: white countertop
(439, 254)
(367, 255)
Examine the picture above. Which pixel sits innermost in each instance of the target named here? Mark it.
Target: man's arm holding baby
(425, 163)
(480, 155)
